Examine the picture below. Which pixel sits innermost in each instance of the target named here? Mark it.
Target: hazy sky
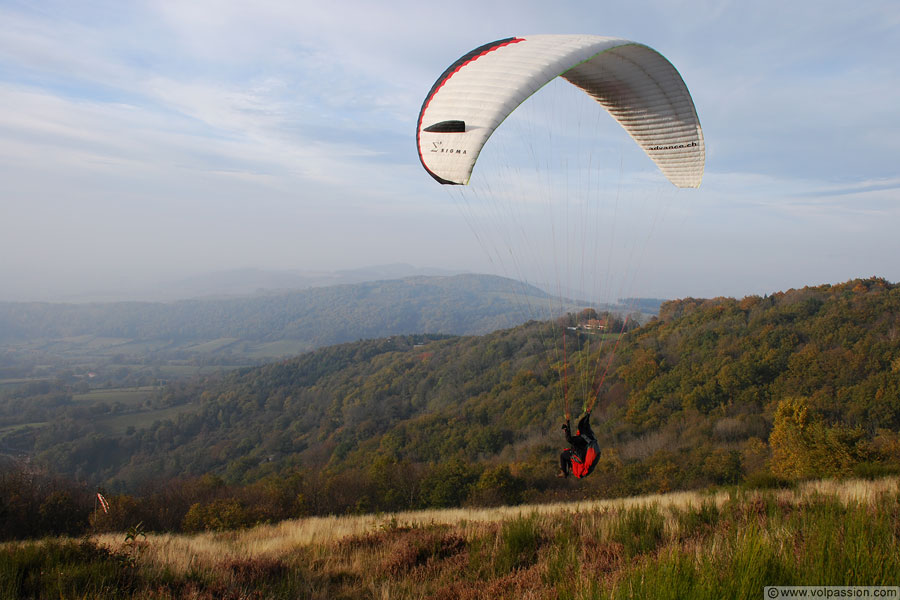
(145, 141)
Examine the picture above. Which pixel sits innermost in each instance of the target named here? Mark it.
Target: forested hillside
(804, 383)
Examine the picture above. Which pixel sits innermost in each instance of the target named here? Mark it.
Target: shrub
(497, 486)
(61, 515)
(218, 515)
(875, 470)
(763, 480)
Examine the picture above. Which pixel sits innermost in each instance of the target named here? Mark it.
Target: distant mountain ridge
(226, 283)
(246, 282)
(311, 318)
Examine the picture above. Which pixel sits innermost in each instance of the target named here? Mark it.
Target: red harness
(581, 469)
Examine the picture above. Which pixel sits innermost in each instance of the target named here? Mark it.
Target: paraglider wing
(634, 83)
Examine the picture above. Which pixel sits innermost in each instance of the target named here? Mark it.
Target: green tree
(218, 515)
(497, 486)
(61, 515)
(447, 484)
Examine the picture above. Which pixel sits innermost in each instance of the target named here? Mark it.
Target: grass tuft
(697, 522)
(640, 530)
(520, 539)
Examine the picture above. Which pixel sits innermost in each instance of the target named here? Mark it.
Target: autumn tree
(804, 446)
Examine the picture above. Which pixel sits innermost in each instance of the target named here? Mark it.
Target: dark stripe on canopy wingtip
(438, 178)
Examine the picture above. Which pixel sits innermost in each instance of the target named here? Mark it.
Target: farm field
(119, 424)
(122, 408)
(17, 381)
(130, 397)
(134, 412)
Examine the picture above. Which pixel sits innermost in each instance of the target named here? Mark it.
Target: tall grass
(514, 547)
(64, 569)
(762, 539)
(640, 530)
(725, 544)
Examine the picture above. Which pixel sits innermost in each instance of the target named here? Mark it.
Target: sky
(143, 142)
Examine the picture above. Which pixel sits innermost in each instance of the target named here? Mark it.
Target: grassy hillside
(727, 544)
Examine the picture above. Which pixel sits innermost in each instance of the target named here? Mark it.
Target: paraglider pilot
(584, 451)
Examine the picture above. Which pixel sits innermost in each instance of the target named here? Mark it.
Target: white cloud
(272, 133)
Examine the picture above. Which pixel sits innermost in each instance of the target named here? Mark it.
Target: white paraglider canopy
(634, 83)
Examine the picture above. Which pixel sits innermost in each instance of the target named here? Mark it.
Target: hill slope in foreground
(804, 383)
(727, 544)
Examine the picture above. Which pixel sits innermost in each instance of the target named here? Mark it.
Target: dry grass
(858, 490)
(182, 553)
(728, 543)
